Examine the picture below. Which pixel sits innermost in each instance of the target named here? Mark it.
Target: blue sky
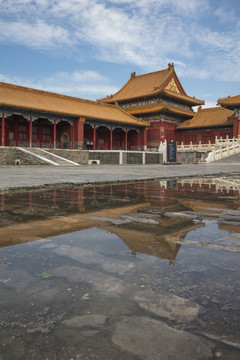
(88, 48)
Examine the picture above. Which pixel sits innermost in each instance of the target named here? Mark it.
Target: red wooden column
(111, 139)
(94, 137)
(3, 129)
(15, 130)
(72, 136)
(139, 141)
(235, 127)
(30, 132)
(79, 132)
(39, 132)
(54, 134)
(126, 139)
(145, 139)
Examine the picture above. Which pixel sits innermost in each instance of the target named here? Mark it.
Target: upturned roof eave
(185, 98)
(228, 104)
(180, 97)
(35, 109)
(75, 115)
(160, 107)
(113, 98)
(112, 101)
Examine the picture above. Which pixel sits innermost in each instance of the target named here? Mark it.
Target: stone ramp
(228, 153)
(50, 158)
(230, 159)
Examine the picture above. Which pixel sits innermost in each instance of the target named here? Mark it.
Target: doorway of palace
(64, 140)
(132, 138)
(88, 137)
(118, 139)
(103, 138)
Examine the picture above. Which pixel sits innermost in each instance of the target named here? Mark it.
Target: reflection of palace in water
(29, 216)
(86, 198)
(202, 188)
(140, 238)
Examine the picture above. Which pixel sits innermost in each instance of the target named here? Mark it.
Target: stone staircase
(48, 157)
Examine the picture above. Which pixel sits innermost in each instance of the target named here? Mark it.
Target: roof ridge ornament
(133, 75)
(170, 66)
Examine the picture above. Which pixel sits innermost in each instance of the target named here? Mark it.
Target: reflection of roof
(152, 84)
(230, 101)
(146, 243)
(206, 206)
(210, 117)
(37, 100)
(57, 225)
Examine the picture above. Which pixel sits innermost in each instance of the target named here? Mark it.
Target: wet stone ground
(123, 272)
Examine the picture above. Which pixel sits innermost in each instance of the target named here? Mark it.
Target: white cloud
(192, 72)
(185, 6)
(150, 31)
(224, 14)
(190, 7)
(146, 33)
(84, 84)
(222, 54)
(37, 35)
(10, 79)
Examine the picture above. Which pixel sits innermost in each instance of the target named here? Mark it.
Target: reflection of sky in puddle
(99, 291)
(210, 232)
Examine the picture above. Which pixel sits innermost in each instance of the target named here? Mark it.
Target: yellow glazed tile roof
(230, 100)
(139, 86)
(160, 107)
(37, 100)
(151, 84)
(211, 117)
(186, 98)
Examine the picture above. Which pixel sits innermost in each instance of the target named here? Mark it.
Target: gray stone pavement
(32, 176)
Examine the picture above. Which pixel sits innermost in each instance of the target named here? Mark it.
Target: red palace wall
(161, 131)
(202, 135)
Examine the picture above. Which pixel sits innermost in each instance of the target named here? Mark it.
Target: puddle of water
(131, 271)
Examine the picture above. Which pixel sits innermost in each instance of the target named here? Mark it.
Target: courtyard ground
(34, 176)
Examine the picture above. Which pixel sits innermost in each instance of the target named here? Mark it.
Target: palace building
(159, 99)
(233, 103)
(206, 125)
(149, 109)
(35, 118)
